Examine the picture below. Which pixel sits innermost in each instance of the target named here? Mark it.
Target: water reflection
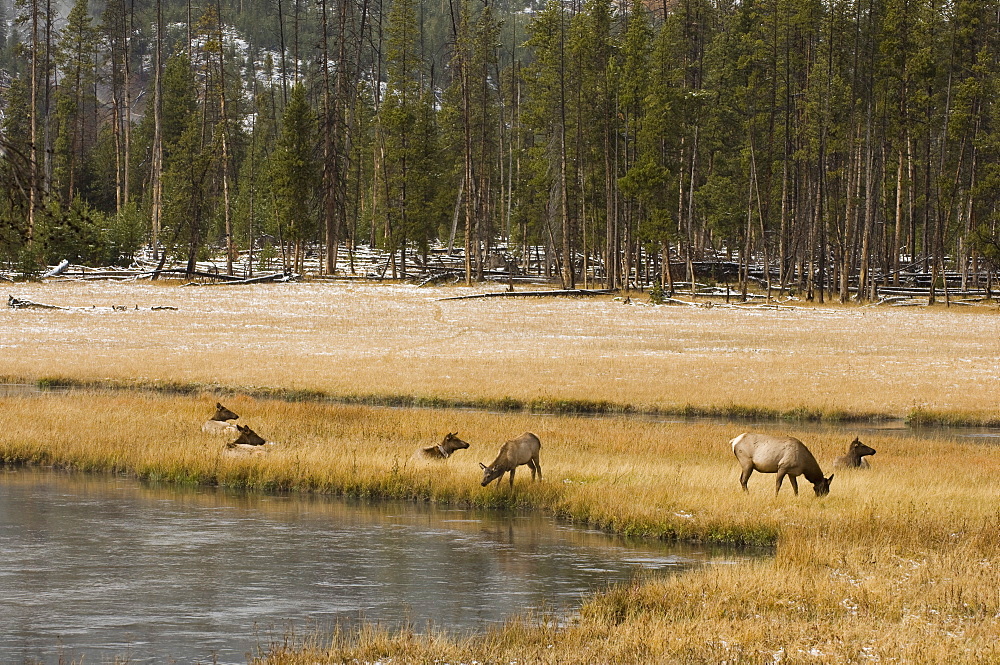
(98, 567)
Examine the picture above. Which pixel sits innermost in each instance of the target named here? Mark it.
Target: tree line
(843, 145)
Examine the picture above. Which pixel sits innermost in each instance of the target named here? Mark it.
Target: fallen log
(440, 277)
(24, 303)
(536, 294)
(274, 277)
(57, 270)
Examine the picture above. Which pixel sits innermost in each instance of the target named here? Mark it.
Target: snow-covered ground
(363, 338)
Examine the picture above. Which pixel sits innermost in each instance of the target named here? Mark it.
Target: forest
(834, 146)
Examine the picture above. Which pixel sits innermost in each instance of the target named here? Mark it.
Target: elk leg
(795, 484)
(512, 478)
(745, 476)
(777, 484)
(538, 466)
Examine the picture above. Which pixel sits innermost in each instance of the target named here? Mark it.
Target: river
(105, 569)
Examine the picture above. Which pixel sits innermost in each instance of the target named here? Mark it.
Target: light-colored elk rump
(219, 423)
(783, 455)
(522, 450)
(443, 450)
(855, 457)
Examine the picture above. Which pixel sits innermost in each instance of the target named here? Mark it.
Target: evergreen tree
(75, 100)
(295, 172)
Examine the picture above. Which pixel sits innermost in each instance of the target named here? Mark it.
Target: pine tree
(295, 172)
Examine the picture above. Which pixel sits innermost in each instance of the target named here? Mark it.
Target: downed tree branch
(521, 294)
(274, 277)
(440, 277)
(24, 303)
(59, 269)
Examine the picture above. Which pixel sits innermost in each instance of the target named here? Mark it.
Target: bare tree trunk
(226, 205)
(156, 183)
(33, 186)
(897, 238)
(126, 197)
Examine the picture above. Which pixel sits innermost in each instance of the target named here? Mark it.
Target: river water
(103, 569)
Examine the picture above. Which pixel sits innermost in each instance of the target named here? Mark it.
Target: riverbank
(918, 417)
(897, 564)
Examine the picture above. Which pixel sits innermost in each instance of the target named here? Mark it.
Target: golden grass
(898, 564)
(371, 340)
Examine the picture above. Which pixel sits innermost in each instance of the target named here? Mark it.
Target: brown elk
(783, 455)
(223, 414)
(247, 437)
(855, 457)
(219, 423)
(443, 450)
(522, 450)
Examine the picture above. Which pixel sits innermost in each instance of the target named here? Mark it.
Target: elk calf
(443, 450)
(222, 413)
(522, 450)
(855, 457)
(219, 423)
(783, 455)
(247, 437)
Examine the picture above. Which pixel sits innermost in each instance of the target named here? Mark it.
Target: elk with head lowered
(522, 450)
(784, 455)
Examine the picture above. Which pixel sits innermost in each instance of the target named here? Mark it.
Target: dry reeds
(897, 564)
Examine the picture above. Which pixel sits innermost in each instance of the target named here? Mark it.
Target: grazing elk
(443, 450)
(219, 423)
(522, 450)
(855, 457)
(783, 455)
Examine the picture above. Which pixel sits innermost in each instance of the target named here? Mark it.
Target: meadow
(897, 564)
(391, 343)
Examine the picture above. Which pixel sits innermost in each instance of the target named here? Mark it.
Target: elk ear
(830, 479)
(483, 466)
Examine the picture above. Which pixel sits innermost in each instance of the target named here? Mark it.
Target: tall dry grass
(898, 564)
(371, 340)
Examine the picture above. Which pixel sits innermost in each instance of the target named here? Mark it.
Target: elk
(783, 455)
(522, 450)
(855, 457)
(247, 437)
(443, 450)
(219, 423)
(222, 413)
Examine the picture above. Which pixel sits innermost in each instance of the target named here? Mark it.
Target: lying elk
(855, 457)
(247, 437)
(522, 450)
(222, 413)
(219, 423)
(443, 450)
(783, 455)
